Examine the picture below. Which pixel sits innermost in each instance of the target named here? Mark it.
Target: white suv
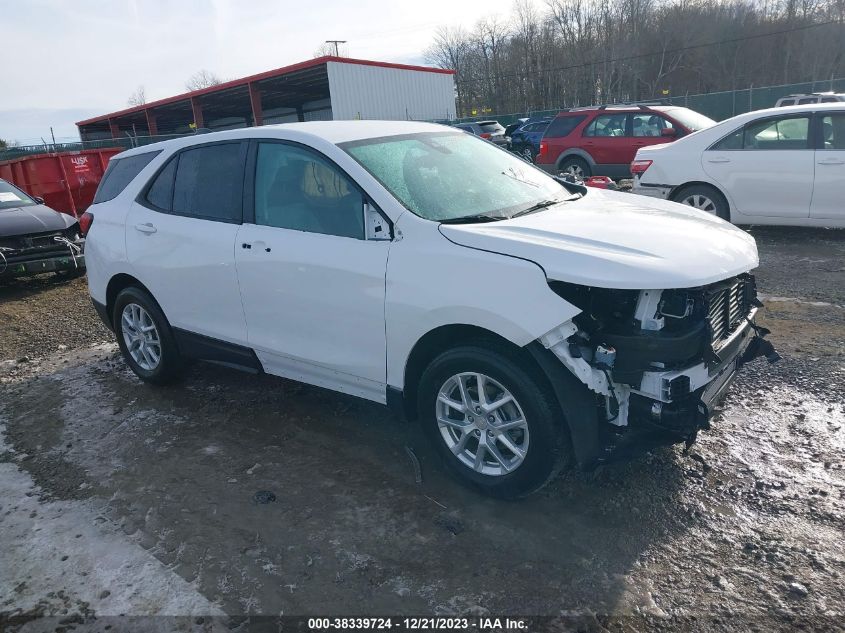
(525, 321)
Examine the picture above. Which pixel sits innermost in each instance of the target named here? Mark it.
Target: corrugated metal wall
(374, 92)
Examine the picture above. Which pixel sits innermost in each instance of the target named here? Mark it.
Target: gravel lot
(118, 498)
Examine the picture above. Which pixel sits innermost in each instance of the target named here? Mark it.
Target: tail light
(85, 222)
(485, 135)
(638, 167)
(544, 147)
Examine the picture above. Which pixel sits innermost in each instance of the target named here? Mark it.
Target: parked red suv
(603, 140)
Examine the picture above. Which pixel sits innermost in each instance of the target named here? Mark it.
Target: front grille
(728, 304)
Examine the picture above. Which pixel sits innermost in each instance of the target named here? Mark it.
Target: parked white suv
(525, 321)
(776, 166)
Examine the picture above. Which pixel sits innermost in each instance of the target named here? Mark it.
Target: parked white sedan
(777, 166)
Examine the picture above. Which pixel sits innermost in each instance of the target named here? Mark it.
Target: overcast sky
(66, 60)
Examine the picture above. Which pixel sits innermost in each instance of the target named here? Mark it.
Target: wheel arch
(673, 194)
(575, 152)
(119, 282)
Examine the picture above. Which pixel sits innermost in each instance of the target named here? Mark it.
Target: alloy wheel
(482, 424)
(700, 202)
(141, 336)
(575, 170)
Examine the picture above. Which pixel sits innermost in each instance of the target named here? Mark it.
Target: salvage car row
(784, 165)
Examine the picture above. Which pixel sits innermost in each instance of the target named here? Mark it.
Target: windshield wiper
(472, 219)
(543, 204)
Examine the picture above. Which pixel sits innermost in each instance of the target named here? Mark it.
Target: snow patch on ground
(66, 547)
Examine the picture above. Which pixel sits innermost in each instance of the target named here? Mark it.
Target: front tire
(145, 337)
(494, 421)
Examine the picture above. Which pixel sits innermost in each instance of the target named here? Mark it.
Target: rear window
(120, 173)
(563, 126)
(490, 126)
(11, 197)
(690, 119)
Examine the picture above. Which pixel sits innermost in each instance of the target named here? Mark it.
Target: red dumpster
(66, 180)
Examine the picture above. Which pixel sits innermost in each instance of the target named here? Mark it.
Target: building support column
(152, 126)
(115, 131)
(300, 114)
(197, 108)
(255, 102)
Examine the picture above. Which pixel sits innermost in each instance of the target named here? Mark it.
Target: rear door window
(607, 125)
(807, 100)
(209, 182)
(648, 124)
(120, 173)
(563, 126)
(769, 134)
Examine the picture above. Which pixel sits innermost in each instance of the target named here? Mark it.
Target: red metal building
(317, 89)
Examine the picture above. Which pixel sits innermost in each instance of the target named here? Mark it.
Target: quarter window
(607, 125)
(297, 189)
(119, 174)
(563, 126)
(160, 193)
(209, 182)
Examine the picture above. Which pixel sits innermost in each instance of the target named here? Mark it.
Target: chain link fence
(716, 105)
(126, 142)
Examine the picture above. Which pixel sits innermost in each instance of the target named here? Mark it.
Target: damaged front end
(658, 361)
(53, 251)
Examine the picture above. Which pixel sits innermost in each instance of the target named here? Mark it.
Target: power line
(652, 54)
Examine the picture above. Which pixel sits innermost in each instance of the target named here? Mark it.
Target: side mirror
(669, 132)
(38, 199)
(377, 226)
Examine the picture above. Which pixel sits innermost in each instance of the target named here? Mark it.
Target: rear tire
(704, 198)
(529, 439)
(527, 153)
(145, 337)
(577, 167)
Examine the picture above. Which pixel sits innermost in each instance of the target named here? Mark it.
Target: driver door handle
(720, 159)
(147, 228)
(832, 161)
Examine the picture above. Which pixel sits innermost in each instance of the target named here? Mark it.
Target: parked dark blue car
(525, 141)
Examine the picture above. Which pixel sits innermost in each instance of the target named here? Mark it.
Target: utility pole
(336, 42)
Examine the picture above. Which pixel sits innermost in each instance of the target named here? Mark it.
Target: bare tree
(581, 52)
(202, 79)
(328, 49)
(139, 97)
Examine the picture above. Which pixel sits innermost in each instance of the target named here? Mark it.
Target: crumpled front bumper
(34, 261)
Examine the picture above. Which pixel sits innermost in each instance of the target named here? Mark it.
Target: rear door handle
(720, 159)
(832, 161)
(146, 228)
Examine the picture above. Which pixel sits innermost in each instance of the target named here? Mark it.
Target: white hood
(619, 240)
